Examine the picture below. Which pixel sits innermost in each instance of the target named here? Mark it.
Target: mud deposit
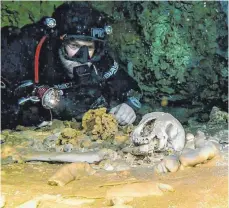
(203, 186)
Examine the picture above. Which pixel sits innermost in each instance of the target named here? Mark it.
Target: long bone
(89, 157)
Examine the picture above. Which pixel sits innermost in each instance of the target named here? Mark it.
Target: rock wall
(176, 50)
(20, 13)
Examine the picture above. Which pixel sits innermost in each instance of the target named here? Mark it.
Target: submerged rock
(100, 125)
(217, 116)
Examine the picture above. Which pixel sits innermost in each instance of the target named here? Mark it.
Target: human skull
(160, 129)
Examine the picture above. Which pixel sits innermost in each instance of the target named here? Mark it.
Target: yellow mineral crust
(69, 136)
(99, 124)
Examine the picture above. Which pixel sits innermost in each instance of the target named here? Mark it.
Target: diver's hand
(124, 114)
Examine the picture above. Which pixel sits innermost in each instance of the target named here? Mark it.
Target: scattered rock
(217, 116)
(68, 148)
(86, 143)
(70, 136)
(57, 124)
(221, 136)
(2, 139)
(51, 141)
(120, 139)
(69, 133)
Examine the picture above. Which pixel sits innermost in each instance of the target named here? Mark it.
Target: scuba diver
(62, 64)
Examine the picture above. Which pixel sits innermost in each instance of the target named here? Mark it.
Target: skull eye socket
(147, 129)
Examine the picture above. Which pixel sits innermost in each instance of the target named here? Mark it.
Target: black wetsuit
(101, 84)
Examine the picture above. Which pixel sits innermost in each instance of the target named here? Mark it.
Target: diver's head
(83, 31)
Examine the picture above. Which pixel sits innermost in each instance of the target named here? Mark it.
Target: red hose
(37, 55)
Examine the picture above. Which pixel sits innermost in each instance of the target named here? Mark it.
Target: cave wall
(178, 49)
(20, 13)
(174, 50)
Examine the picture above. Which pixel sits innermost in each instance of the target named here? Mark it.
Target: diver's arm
(122, 93)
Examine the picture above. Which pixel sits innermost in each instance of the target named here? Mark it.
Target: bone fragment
(134, 190)
(39, 201)
(190, 141)
(119, 201)
(190, 144)
(121, 206)
(160, 168)
(135, 150)
(206, 151)
(70, 172)
(189, 137)
(200, 139)
(170, 163)
(29, 204)
(165, 187)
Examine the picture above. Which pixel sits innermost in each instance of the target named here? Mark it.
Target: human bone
(170, 163)
(89, 157)
(144, 149)
(70, 172)
(200, 139)
(190, 144)
(134, 190)
(205, 151)
(189, 137)
(190, 141)
(163, 129)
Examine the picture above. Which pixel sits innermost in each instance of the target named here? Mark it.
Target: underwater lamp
(49, 97)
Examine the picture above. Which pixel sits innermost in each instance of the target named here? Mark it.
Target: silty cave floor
(204, 186)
